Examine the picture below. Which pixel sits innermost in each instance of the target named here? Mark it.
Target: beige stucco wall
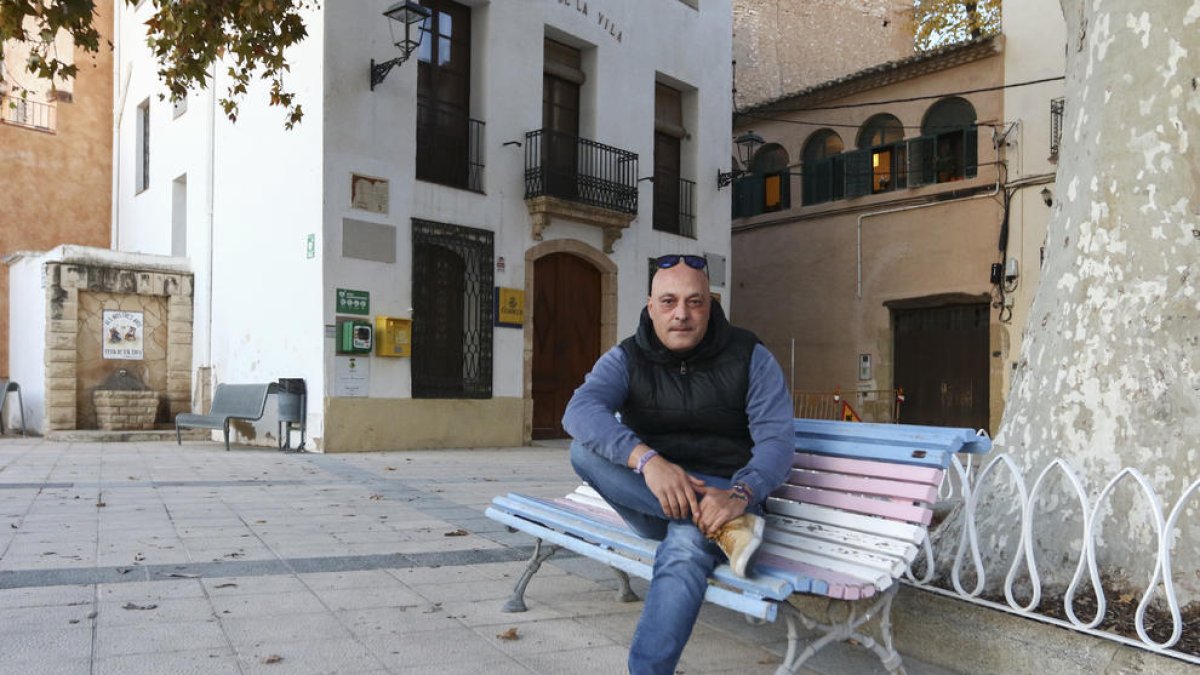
(796, 273)
(361, 424)
(783, 46)
(56, 186)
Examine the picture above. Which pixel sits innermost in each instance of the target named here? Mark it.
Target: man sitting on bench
(706, 427)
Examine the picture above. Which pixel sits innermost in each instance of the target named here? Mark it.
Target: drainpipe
(911, 207)
(118, 115)
(212, 171)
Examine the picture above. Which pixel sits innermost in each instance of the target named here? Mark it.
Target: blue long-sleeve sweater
(590, 418)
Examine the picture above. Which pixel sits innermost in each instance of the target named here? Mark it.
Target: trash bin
(292, 396)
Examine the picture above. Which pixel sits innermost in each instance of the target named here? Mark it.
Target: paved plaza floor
(151, 558)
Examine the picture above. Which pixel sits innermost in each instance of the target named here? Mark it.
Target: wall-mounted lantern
(410, 15)
(747, 144)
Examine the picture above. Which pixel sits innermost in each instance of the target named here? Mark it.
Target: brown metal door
(942, 364)
(566, 336)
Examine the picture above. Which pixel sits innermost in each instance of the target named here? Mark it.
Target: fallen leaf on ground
(456, 533)
(389, 468)
(130, 605)
(375, 497)
(228, 585)
(274, 658)
(510, 634)
(100, 505)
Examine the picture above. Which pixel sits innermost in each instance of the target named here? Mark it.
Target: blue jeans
(682, 562)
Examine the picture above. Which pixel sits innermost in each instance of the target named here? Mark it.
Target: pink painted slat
(875, 507)
(858, 484)
(862, 467)
(594, 512)
(841, 586)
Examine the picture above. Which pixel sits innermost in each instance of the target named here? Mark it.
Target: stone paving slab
(146, 557)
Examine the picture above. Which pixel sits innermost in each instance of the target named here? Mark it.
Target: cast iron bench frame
(230, 402)
(849, 521)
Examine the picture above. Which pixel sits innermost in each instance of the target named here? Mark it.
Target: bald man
(704, 434)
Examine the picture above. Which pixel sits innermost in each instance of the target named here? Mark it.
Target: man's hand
(717, 507)
(675, 489)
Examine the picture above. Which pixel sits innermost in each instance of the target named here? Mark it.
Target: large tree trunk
(1109, 374)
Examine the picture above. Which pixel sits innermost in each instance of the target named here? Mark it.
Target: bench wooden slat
(945, 438)
(857, 504)
(823, 581)
(619, 537)
(865, 574)
(780, 526)
(856, 467)
(871, 486)
(892, 529)
(891, 565)
(927, 456)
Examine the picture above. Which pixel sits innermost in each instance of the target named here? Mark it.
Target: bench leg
(838, 631)
(178, 435)
(516, 602)
(624, 592)
(226, 437)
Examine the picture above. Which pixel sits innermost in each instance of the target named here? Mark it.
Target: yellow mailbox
(393, 336)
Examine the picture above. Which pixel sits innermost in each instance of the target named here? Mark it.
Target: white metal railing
(965, 486)
(23, 112)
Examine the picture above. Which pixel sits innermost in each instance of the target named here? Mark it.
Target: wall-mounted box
(354, 336)
(393, 336)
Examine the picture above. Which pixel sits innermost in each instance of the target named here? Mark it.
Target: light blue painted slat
(954, 439)
(756, 607)
(559, 518)
(854, 449)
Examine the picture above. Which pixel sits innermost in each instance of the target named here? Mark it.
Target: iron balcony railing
(579, 170)
(674, 205)
(22, 112)
(449, 148)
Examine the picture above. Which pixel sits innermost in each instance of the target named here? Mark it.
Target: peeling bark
(1109, 373)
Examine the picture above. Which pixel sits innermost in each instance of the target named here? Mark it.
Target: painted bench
(230, 402)
(849, 521)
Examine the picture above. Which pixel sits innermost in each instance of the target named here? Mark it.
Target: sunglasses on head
(696, 262)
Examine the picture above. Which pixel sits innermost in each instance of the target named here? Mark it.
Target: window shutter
(786, 178)
(920, 161)
(837, 181)
(971, 151)
(858, 173)
(748, 192)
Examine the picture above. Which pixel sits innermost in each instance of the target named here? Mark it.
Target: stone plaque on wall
(123, 333)
(369, 194)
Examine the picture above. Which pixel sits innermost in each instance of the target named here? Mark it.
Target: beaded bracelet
(646, 457)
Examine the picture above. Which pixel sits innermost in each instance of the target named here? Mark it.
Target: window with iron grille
(452, 311)
(1056, 120)
(672, 193)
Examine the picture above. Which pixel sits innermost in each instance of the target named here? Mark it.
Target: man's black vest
(691, 407)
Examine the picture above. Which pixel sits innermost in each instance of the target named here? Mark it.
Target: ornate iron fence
(1159, 630)
(579, 170)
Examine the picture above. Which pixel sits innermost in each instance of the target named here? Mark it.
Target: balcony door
(444, 95)
(560, 118)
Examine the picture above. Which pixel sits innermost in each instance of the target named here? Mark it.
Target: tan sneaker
(739, 539)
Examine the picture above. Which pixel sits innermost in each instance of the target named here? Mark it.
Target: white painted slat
(804, 528)
(891, 529)
(887, 564)
(870, 575)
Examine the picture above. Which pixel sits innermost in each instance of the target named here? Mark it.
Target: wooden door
(566, 336)
(942, 364)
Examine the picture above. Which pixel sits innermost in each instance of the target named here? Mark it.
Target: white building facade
(489, 209)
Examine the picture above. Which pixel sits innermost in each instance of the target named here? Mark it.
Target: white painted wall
(27, 338)
(269, 188)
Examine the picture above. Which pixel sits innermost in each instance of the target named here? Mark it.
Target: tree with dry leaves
(248, 38)
(943, 22)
